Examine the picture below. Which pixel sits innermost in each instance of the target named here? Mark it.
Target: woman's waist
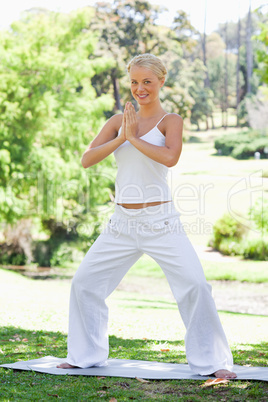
(142, 205)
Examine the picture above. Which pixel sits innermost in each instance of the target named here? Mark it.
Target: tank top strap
(162, 119)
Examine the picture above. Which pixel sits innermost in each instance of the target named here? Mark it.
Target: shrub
(242, 145)
(226, 228)
(255, 249)
(66, 252)
(42, 252)
(230, 246)
(259, 214)
(245, 151)
(16, 249)
(227, 143)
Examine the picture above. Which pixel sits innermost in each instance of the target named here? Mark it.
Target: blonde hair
(149, 61)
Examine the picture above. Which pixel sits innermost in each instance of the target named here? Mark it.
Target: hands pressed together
(129, 123)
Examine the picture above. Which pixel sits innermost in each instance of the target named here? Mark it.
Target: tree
(126, 28)
(202, 95)
(237, 71)
(262, 55)
(49, 114)
(249, 51)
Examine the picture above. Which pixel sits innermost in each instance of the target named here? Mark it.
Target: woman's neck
(147, 111)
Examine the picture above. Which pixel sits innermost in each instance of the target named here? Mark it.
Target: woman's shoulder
(116, 120)
(173, 117)
(171, 120)
(113, 124)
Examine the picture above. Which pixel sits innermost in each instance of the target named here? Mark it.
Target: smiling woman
(145, 144)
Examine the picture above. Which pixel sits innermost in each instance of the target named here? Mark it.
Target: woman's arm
(169, 154)
(105, 143)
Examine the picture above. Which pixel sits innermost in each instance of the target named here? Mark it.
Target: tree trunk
(249, 51)
(204, 41)
(212, 122)
(226, 78)
(117, 99)
(237, 72)
(206, 81)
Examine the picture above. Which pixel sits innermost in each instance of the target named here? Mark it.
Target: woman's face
(145, 85)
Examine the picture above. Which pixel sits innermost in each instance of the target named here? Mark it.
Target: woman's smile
(144, 84)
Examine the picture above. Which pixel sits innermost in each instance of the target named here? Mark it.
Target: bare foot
(224, 374)
(66, 366)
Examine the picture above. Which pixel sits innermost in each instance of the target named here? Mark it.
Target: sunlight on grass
(29, 304)
(238, 270)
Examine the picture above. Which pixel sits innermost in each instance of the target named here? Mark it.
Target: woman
(145, 145)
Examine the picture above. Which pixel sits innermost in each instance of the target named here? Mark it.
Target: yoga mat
(133, 369)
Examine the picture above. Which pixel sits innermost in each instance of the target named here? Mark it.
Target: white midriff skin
(145, 87)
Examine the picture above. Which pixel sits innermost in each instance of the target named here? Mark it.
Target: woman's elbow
(172, 162)
(85, 163)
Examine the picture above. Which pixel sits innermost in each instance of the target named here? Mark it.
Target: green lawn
(34, 315)
(234, 269)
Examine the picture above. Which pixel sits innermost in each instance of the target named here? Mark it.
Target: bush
(245, 151)
(226, 228)
(54, 252)
(9, 257)
(242, 145)
(42, 252)
(16, 249)
(229, 246)
(226, 143)
(259, 214)
(65, 253)
(255, 249)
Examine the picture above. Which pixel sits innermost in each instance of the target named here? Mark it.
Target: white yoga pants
(156, 231)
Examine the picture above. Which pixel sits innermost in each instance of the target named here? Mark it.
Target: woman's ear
(162, 81)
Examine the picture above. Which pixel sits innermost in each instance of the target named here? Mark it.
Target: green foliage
(66, 252)
(255, 249)
(245, 151)
(242, 145)
(16, 249)
(228, 234)
(12, 258)
(229, 246)
(202, 96)
(262, 55)
(227, 228)
(216, 72)
(259, 215)
(49, 114)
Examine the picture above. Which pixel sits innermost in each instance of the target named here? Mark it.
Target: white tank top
(139, 178)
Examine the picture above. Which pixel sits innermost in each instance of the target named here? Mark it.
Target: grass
(234, 270)
(33, 324)
(27, 386)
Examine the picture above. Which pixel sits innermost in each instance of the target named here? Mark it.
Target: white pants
(158, 232)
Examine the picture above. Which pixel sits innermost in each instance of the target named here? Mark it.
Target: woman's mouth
(142, 96)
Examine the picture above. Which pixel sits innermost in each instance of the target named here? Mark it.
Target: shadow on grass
(22, 344)
(40, 273)
(194, 139)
